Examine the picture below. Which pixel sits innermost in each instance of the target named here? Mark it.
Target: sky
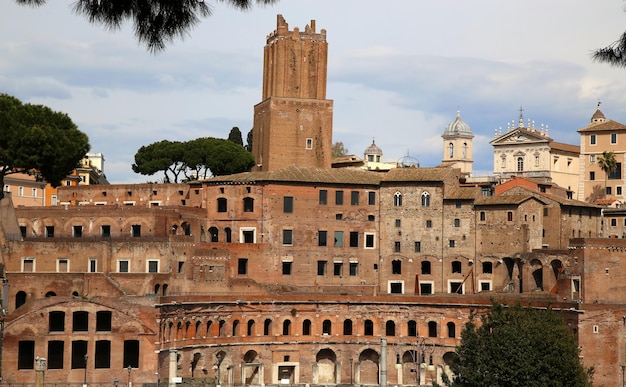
(397, 74)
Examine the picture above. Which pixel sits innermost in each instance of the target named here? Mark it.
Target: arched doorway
(326, 360)
(367, 368)
(252, 371)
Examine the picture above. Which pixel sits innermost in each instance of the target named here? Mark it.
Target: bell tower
(293, 122)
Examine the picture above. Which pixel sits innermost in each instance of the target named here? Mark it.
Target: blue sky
(397, 73)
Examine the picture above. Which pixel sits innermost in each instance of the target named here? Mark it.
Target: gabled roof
(295, 174)
(602, 126)
(566, 148)
(520, 135)
(462, 193)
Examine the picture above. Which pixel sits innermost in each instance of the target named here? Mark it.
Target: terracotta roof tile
(603, 126)
(294, 173)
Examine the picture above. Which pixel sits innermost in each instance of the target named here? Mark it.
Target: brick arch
(326, 360)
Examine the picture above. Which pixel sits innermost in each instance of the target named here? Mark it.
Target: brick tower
(293, 123)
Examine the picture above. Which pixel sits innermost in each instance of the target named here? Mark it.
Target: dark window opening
(77, 231)
(418, 247)
(136, 230)
(426, 288)
(214, 234)
(390, 328)
(321, 267)
(222, 204)
(338, 198)
(103, 321)
(354, 239)
(347, 327)
(396, 288)
(49, 231)
(306, 328)
(353, 268)
(242, 266)
(103, 354)
(426, 267)
(323, 196)
(20, 298)
(55, 354)
(321, 238)
(451, 330)
(26, 355)
(432, 329)
(79, 350)
(248, 236)
(56, 321)
(267, 327)
(286, 327)
(337, 269)
(80, 321)
(371, 198)
(368, 328)
(105, 231)
(326, 327)
(288, 237)
(456, 266)
(354, 198)
(288, 204)
(131, 353)
(396, 247)
(396, 266)
(412, 328)
(487, 267)
(23, 231)
(287, 268)
(248, 205)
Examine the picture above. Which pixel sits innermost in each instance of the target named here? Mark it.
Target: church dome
(458, 127)
(373, 149)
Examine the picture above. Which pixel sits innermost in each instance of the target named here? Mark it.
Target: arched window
(221, 204)
(347, 327)
(397, 199)
(248, 204)
(221, 328)
(229, 234)
(390, 328)
(51, 294)
(326, 327)
(464, 150)
(451, 150)
(520, 164)
(425, 199)
(267, 327)
(214, 234)
(235, 328)
(432, 329)
(412, 328)
(250, 328)
(20, 298)
(368, 328)
(425, 267)
(306, 328)
(451, 330)
(286, 327)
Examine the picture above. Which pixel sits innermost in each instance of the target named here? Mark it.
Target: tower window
(309, 143)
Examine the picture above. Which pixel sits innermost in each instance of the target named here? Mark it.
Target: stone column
(173, 367)
(40, 369)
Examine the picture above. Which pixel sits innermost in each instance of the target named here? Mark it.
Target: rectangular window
(79, 350)
(103, 321)
(242, 266)
(77, 231)
(63, 265)
(131, 354)
(613, 138)
(592, 159)
(398, 223)
(485, 286)
(49, 231)
(370, 241)
(426, 288)
(34, 192)
(456, 287)
(418, 247)
(616, 173)
(105, 231)
(55, 354)
(28, 265)
(452, 243)
(93, 265)
(354, 239)
(608, 190)
(288, 237)
(592, 139)
(354, 268)
(247, 234)
(54, 200)
(153, 266)
(545, 212)
(396, 247)
(309, 143)
(321, 267)
(122, 266)
(321, 238)
(618, 190)
(135, 230)
(56, 321)
(371, 198)
(429, 223)
(458, 204)
(337, 269)
(592, 175)
(287, 268)
(483, 216)
(338, 238)
(20, 191)
(338, 198)
(80, 321)
(457, 222)
(288, 204)
(103, 354)
(354, 198)
(26, 355)
(23, 231)
(323, 196)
